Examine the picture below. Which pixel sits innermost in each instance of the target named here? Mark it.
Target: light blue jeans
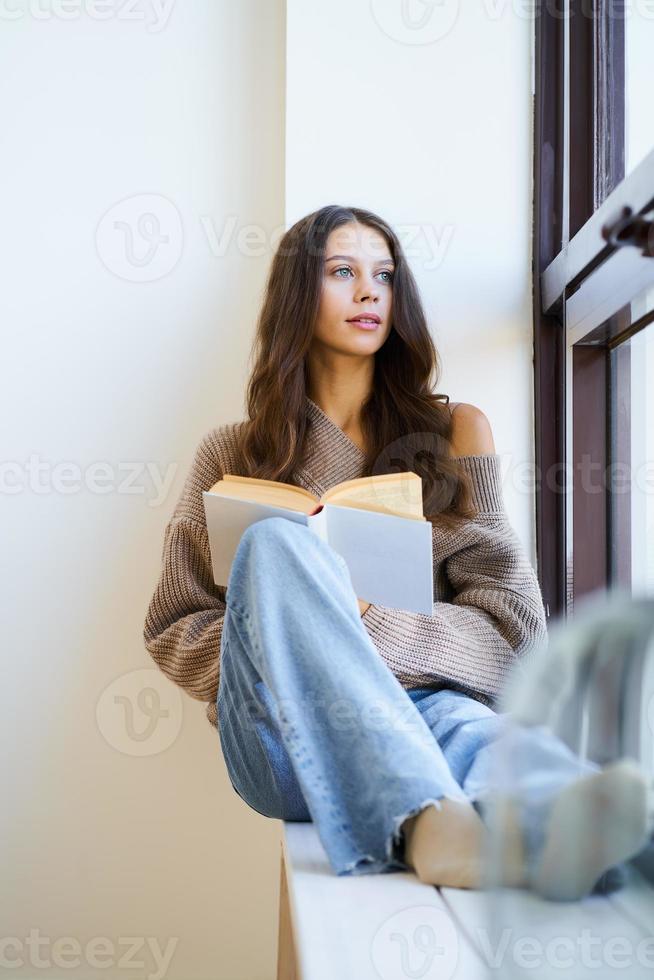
(314, 726)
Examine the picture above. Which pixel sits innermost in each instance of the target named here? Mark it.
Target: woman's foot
(446, 846)
(596, 822)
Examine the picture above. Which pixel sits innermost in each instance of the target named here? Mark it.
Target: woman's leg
(298, 667)
(471, 734)
(571, 818)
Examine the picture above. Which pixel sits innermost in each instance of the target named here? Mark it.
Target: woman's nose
(368, 291)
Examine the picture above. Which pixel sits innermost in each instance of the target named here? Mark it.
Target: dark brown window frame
(579, 89)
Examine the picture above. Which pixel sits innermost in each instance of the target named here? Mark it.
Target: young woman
(375, 723)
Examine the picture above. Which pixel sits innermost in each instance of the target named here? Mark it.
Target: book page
(389, 558)
(397, 493)
(227, 519)
(269, 492)
(318, 523)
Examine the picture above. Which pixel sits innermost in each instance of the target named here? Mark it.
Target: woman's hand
(363, 606)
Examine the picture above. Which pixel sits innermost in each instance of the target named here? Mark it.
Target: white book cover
(389, 558)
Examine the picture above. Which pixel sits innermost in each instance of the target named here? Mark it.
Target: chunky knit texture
(488, 609)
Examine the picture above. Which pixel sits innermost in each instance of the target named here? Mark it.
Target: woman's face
(357, 279)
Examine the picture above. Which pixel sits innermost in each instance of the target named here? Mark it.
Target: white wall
(447, 110)
(98, 842)
(126, 362)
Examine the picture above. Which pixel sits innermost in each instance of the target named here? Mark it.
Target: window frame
(579, 119)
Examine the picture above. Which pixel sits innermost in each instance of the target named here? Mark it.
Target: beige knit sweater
(488, 608)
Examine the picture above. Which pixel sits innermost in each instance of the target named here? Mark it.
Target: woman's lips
(368, 325)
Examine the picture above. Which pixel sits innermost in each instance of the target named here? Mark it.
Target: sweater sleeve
(184, 621)
(496, 613)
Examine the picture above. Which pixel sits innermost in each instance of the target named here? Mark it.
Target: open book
(376, 523)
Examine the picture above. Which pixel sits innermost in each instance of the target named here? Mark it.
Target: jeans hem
(394, 846)
(395, 841)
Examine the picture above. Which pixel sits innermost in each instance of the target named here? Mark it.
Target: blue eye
(384, 272)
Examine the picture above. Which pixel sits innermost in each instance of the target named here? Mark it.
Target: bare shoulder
(471, 431)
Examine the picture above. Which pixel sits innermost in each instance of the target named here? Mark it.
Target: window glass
(632, 453)
(639, 85)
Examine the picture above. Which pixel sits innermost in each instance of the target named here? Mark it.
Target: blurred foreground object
(582, 704)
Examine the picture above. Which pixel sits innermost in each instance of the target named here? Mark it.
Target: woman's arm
(183, 626)
(184, 622)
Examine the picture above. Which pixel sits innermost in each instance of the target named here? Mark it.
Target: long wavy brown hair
(406, 425)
